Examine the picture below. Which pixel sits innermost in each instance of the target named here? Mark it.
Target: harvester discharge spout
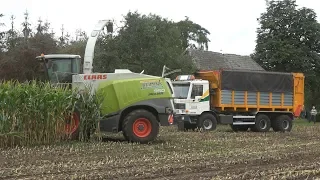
(89, 52)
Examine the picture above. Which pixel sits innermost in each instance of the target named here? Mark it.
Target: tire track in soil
(197, 171)
(68, 172)
(238, 169)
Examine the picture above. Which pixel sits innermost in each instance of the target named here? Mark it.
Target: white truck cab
(191, 95)
(192, 98)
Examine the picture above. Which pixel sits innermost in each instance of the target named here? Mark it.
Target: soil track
(175, 155)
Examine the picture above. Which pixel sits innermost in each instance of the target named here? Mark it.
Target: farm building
(208, 60)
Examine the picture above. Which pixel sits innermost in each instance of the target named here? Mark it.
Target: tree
(288, 40)
(2, 34)
(144, 42)
(147, 42)
(19, 59)
(192, 32)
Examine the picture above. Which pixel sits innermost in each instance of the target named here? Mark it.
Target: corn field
(34, 113)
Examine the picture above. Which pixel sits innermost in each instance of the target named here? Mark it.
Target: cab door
(200, 98)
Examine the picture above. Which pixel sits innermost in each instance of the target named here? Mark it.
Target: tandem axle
(261, 121)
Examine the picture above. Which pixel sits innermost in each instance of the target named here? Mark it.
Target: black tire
(207, 122)
(147, 120)
(125, 135)
(237, 128)
(188, 126)
(262, 123)
(282, 123)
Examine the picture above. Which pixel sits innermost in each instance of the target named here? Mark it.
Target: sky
(232, 23)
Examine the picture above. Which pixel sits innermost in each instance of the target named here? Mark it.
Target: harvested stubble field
(175, 155)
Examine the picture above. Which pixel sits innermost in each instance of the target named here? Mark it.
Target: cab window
(197, 90)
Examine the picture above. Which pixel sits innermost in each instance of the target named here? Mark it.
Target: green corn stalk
(33, 113)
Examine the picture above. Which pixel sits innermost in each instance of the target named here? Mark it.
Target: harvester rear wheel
(140, 126)
(72, 125)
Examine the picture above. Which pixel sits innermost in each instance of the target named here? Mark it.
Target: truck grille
(179, 106)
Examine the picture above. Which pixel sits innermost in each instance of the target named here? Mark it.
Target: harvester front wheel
(140, 126)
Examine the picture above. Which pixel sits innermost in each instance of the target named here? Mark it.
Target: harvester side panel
(127, 92)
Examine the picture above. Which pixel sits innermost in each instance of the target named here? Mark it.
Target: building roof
(208, 60)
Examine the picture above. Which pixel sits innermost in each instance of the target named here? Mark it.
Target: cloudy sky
(232, 23)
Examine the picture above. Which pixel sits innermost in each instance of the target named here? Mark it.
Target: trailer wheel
(207, 122)
(262, 123)
(239, 127)
(140, 126)
(282, 123)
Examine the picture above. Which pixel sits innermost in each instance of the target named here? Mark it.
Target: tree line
(144, 42)
(288, 40)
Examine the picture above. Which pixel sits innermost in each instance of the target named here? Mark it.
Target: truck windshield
(181, 90)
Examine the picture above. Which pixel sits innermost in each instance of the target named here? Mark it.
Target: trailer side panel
(255, 91)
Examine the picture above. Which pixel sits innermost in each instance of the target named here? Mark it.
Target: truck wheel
(239, 127)
(262, 123)
(282, 123)
(207, 122)
(140, 126)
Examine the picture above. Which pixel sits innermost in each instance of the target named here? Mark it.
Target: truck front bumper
(182, 118)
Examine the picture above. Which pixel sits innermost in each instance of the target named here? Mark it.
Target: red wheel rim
(72, 124)
(142, 127)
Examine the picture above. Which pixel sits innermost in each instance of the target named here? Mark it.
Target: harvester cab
(59, 68)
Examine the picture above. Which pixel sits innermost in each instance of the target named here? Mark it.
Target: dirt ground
(222, 154)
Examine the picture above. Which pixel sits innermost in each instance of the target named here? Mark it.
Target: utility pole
(25, 24)
(12, 22)
(62, 30)
(39, 26)
(62, 36)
